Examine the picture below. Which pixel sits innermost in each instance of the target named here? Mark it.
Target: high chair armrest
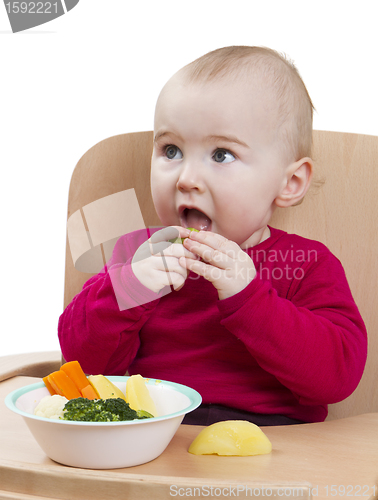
(33, 364)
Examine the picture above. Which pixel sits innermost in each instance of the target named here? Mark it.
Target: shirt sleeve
(100, 327)
(313, 340)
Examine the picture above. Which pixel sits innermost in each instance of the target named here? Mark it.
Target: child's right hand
(156, 262)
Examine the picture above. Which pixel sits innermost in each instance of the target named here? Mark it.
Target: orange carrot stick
(73, 370)
(48, 385)
(89, 393)
(63, 385)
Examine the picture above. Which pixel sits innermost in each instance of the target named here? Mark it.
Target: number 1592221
(350, 490)
(32, 7)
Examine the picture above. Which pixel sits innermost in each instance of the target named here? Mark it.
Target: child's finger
(172, 250)
(209, 272)
(175, 273)
(163, 239)
(169, 279)
(169, 233)
(214, 241)
(222, 257)
(168, 264)
(208, 238)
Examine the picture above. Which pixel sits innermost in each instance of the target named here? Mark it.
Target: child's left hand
(224, 263)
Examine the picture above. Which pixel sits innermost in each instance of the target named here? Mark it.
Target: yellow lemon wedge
(138, 396)
(231, 437)
(104, 388)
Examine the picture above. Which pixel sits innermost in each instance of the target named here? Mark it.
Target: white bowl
(107, 445)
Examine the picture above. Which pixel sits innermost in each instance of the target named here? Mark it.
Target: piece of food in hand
(51, 407)
(104, 388)
(180, 240)
(101, 410)
(138, 396)
(63, 385)
(231, 438)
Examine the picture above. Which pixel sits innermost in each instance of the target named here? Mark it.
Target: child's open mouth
(191, 217)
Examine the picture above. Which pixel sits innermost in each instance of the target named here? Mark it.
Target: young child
(260, 322)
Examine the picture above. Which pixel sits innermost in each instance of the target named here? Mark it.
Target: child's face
(216, 164)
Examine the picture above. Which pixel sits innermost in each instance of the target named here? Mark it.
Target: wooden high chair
(339, 210)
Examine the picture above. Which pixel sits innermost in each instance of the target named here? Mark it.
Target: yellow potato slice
(104, 388)
(138, 396)
(231, 437)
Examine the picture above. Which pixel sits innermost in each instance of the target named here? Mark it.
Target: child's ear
(298, 180)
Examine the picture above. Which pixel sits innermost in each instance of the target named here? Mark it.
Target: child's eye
(223, 156)
(173, 152)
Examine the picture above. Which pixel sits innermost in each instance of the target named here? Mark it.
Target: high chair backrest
(340, 210)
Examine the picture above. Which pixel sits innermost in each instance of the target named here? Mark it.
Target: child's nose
(190, 178)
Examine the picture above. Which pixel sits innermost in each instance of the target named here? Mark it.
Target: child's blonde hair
(295, 108)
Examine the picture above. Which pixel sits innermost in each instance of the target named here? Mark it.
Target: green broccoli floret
(101, 410)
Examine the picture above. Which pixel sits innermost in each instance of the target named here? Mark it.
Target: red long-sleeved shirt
(290, 343)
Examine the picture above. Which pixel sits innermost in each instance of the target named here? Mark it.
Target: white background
(97, 71)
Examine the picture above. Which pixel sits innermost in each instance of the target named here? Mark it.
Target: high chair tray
(330, 459)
